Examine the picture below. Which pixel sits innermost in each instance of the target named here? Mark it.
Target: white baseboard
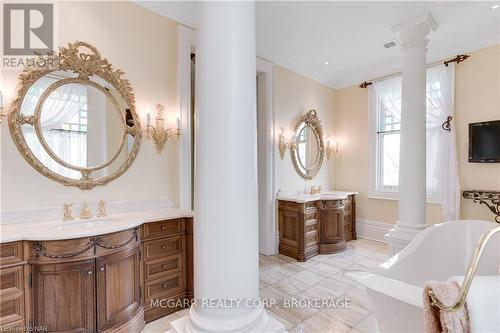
(372, 230)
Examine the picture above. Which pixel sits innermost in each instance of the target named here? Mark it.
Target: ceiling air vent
(390, 44)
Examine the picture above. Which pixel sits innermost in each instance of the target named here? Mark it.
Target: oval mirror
(76, 124)
(308, 153)
(307, 147)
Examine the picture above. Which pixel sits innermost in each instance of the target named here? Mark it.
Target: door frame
(268, 237)
(186, 44)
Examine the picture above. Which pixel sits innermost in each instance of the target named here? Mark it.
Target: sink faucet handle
(101, 209)
(67, 212)
(85, 212)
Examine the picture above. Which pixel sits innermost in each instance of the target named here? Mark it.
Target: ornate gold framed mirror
(74, 118)
(309, 151)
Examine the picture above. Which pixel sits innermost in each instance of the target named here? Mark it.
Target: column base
(400, 236)
(264, 324)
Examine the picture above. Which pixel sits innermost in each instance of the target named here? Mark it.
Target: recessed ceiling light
(495, 6)
(326, 62)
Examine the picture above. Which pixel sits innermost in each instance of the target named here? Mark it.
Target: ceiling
(302, 36)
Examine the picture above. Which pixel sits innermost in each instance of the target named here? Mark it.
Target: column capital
(413, 33)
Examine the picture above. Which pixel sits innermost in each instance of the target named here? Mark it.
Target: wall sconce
(283, 145)
(158, 133)
(331, 151)
(1, 108)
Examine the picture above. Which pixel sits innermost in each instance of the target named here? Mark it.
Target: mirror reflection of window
(307, 147)
(80, 124)
(302, 146)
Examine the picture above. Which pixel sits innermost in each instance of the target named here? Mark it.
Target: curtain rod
(458, 59)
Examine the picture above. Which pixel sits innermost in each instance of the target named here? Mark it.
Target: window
(385, 126)
(78, 122)
(388, 133)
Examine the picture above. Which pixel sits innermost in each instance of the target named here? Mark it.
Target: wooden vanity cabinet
(12, 287)
(64, 296)
(88, 284)
(105, 283)
(298, 229)
(118, 287)
(331, 228)
(167, 266)
(350, 218)
(316, 227)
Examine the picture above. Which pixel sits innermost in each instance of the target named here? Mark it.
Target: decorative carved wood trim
(490, 199)
(85, 65)
(94, 242)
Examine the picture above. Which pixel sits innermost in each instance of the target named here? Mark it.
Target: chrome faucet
(101, 209)
(85, 212)
(67, 212)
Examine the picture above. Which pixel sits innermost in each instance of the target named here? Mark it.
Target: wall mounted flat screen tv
(484, 142)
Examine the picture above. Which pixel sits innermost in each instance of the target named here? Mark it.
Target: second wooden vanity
(314, 227)
(106, 283)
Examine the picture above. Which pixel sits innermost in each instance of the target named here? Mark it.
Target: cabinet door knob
(164, 247)
(163, 266)
(90, 272)
(164, 286)
(162, 227)
(101, 269)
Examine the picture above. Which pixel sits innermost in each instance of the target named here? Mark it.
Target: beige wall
(294, 95)
(477, 92)
(477, 98)
(141, 43)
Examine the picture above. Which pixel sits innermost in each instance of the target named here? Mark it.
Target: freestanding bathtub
(395, 288)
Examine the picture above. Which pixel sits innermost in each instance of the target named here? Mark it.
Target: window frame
(374, 191)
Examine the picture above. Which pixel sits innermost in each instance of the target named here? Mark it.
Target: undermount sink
(88, 223)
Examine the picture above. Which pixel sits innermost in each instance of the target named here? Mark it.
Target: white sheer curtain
(389, 92)
(63, 145)
(62, 104)
(442, 164)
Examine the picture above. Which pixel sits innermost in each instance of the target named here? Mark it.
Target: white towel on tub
(483, 303)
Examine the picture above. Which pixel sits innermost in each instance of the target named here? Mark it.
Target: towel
(441, 321)
(483, 303)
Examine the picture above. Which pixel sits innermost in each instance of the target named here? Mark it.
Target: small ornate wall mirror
(75, 121)
(309, 149)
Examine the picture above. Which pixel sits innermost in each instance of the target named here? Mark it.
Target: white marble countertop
(305, 197)
(57, 229)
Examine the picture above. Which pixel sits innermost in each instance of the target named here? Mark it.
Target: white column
(226, 262)
(412, 163)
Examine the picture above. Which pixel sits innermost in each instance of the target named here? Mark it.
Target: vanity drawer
(11, 253)
(11, 309)
(165, 287)
(11, 278)
(167, 266)
(310, 205)
(311, 238)
(311, 215)
(163, 228)
(311, 225)
(161, 248)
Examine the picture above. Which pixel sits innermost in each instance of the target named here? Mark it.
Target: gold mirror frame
(85, 65)
(309, 119)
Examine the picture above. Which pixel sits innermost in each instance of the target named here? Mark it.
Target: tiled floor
(321, 277)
